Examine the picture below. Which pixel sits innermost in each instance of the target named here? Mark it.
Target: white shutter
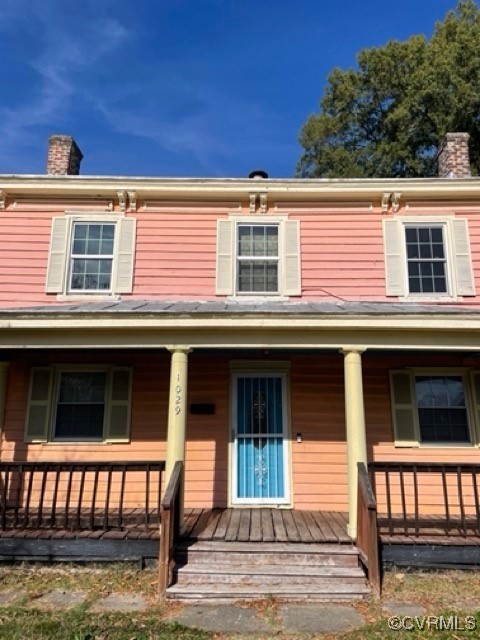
(126, 229)
(291, 258)
(395, 267)
(39, 403)
(465, 285)
(403, 409)
(225, 257)
(118, 405)
(58, 256)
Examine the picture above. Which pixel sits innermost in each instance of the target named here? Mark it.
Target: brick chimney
(64, 156)
(453, 156)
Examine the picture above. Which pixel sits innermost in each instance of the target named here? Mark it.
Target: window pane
(81, 405)
(442, 410)
(411, 235)
(93, 239)
(423, 235)
(257, 240)
(257, 276)
(92, 274)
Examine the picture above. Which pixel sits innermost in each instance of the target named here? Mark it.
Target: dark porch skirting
(138, 537)
(428, 544)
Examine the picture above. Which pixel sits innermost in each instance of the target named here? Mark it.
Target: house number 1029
(178, 399)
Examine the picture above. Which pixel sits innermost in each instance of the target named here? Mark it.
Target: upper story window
(91, 254)
(427, 258)
(434, 407)
(258, 257)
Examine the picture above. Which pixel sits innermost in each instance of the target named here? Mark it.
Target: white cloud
(57, 52)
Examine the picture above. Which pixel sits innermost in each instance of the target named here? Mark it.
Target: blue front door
(260, 454)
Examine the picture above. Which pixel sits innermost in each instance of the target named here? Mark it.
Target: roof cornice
(52, 185)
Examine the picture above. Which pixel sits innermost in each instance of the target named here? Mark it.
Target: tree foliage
(386, 117)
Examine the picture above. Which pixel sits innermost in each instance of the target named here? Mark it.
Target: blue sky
(180, 87)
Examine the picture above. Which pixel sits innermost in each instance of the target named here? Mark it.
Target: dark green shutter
(39, 404)
(476, 405)
(403, 409)
(118, 408)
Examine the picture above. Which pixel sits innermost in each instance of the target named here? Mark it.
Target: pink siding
(341, 250)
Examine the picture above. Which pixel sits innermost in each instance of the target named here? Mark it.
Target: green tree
(386, 117)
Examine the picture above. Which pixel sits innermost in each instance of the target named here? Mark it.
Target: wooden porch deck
(266, 525)
(227, 525)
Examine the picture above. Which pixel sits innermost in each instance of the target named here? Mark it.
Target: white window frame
(277, 258)
(71, 257)
(473, 426)
(289, 258)
(61, 254)
(397, 281)
(447, 260)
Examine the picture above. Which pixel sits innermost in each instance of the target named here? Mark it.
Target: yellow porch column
(355, 427)
(177, 409)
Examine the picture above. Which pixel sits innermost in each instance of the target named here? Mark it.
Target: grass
(17, 623)
(445, 593)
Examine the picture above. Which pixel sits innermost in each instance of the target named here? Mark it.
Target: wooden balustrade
(170, 526)
(367, 535)
(425, 496)
(79, 495)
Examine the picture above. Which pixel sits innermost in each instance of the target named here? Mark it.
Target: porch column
(177, 409)
(355, 428)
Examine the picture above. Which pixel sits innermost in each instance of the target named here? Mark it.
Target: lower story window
(435, 408)
(79, 404)
(442, 409)
(80, 411)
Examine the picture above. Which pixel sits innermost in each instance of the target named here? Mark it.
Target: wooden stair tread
(328, 591)
(273, 570)
(268, 547)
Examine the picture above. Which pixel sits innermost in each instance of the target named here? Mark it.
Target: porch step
(268, 575)
(233, 570)
(276, 553)
(239, 592)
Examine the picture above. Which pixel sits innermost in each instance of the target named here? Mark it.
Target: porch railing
(419, 497)
(80, 495)
(170, 526)
(367, 535)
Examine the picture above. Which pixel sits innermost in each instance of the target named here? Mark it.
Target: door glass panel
(259, 438)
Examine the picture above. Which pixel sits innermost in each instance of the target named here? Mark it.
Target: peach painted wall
(319, 461)
(341, 249)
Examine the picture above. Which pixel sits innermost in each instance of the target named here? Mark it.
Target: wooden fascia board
(360, 322)
(433, 188)
(57, 335)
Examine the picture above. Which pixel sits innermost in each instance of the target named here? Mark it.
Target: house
(275, 337)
